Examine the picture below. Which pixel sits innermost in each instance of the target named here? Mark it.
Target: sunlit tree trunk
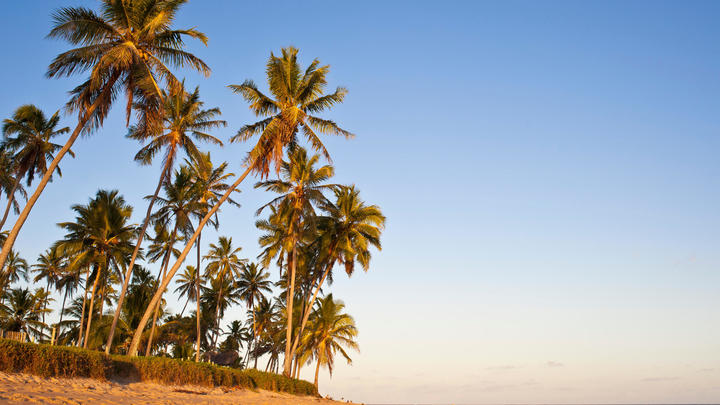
(317, 372)
(82, 316)
(146, 317)
(288, 333)
(128, 272)
(12, 236)
(164, 265)
(62, 310)
(11, 198)
(92, 302)
(197, 299)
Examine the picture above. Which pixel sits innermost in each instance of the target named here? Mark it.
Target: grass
(61, 361)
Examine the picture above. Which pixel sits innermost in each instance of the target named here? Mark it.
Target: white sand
(29, 389)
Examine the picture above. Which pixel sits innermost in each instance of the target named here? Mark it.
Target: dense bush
(60, 361)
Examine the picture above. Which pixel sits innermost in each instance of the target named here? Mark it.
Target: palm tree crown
(298, 95)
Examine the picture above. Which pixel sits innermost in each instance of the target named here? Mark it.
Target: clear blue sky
(549, 172)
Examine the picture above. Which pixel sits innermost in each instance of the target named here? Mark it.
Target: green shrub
(60, 361)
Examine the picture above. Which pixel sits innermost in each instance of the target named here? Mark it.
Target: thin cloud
(554, 364)
(501, 368)
(659, 379)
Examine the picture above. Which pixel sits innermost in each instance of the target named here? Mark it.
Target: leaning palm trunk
(287, 366)
(90, 313)
(146, 317)
(165, 262)
(197, 300)
(317, 372)
(217, 318)
(84, 118)
(308, 306)
(82, 315)
(62, 310)
(157, 307)
(11, 199)
(128, 273)
(47, 290)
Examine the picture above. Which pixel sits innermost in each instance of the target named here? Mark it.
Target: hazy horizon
(549, 172)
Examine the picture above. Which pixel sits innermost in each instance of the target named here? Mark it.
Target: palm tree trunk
(61, 311)
(10, 241)
(254, 333)
(82, 316)
(128, 273)
(317, 372)
(184, 307)
(197, 299)
(163, 272)
(308, 307)
(47, 290)
(146, 317)
(217, 318)
(11, 198)
(90, 314)
(288, 333)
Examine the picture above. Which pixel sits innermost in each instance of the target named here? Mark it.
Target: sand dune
(29, 389)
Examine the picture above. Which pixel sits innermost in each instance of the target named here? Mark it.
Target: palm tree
(297, 94)
(162, 246)
(300, 188)
(187, 285)
(184, 122)
(31, 146)
(210, 183)
(178, 206)
(139, 293)
(346, 233)
(252, 283)
(236, 334)
(16, 269)
(50, 266)
(10, 185)
(223, 265)
(126, 49)
(332, 331)
(22, 313)
(68, 281)
(100, 239)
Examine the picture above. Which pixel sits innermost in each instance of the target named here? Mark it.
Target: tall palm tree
(67, 282)
(28, 136)
(49, 267)
(347, 231)
(126, 48)
(184, 122)
(253, 282)
(162, 246)
(210, 183)
(301, 188)
(187, 284)
(332, 331)
(223, 264)
(221, 293)
(100, 239)
(176, 207)
(297, 95)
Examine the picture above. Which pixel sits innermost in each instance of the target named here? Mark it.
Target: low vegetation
(58, 361)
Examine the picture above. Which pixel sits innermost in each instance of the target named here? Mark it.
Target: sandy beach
(30, 389)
